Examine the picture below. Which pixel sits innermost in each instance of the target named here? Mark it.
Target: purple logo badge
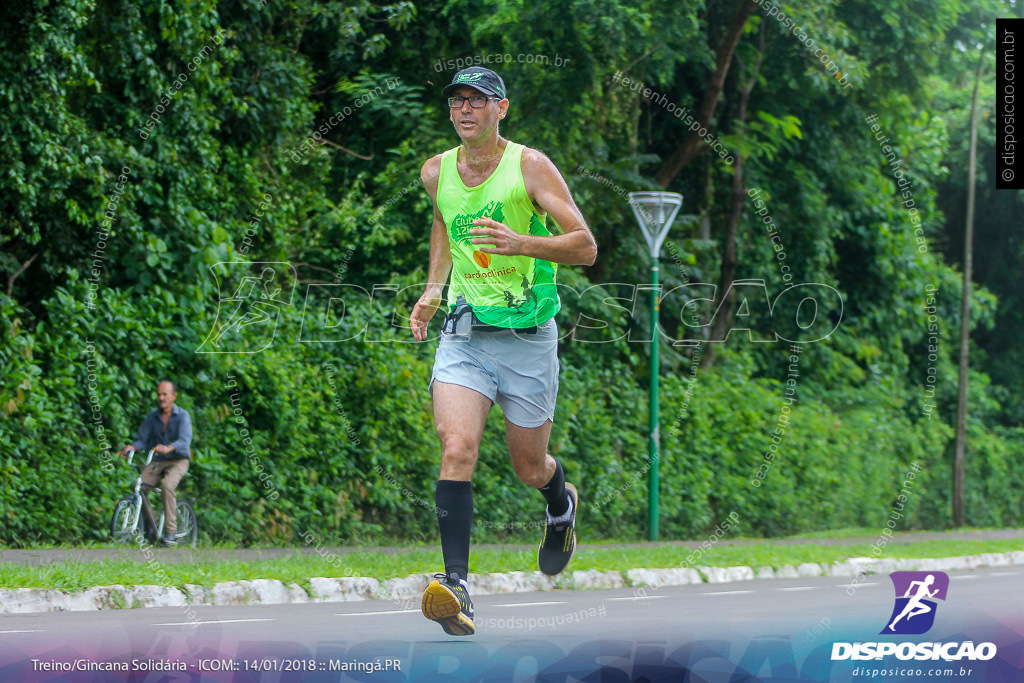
(916, 592)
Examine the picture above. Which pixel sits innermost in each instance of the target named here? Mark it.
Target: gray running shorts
(518, 371)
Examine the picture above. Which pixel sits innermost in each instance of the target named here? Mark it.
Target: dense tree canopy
(160, 158)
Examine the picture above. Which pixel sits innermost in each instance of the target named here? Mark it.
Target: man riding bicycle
(168, 431)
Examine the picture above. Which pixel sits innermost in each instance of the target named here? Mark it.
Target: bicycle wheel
(188, 529)
(122, 524)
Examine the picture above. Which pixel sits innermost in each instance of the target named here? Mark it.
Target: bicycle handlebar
(149, 459)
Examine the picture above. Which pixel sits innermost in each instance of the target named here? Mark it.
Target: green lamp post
(655, 212)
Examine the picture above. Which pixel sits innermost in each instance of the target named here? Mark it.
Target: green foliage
(214, 133)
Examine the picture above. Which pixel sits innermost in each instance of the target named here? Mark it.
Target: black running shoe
(559, 542)
(447, 602)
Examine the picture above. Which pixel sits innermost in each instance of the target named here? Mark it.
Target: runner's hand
(422, 312)
(500, 238)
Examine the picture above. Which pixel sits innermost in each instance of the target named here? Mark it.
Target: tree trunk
(965, 317)
(724, 317)
(694, 144)
(19, 271)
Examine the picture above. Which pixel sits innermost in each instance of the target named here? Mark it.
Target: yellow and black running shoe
(559, 542)
(447, 602)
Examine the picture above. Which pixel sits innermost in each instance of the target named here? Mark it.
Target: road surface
(767, 630)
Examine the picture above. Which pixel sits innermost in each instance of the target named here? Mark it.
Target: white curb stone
(229, 593)
(344, 589)
(887, 566)
(273, 592)
(92, 599)
(808, 569)
(663, 577)
(198, 595)
(592, 578)
(726, 574)
(786, 571)
(512, 582)
(407, 588)
(155, 596)
(994, 560)
(26, 600)
(845, 568)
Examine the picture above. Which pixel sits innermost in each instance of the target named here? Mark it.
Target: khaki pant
(171, 472)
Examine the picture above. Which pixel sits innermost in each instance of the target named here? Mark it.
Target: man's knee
(174, 474)
(532, 472)
(459, 452)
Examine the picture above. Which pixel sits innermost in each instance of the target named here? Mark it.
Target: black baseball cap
(484, 80)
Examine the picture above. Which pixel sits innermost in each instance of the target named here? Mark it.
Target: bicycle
(129, 515)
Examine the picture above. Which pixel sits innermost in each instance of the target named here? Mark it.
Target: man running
(499, 342)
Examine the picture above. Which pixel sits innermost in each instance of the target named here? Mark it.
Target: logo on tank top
(463, 223)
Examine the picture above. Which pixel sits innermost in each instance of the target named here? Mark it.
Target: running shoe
(447, 602)
(559, 542)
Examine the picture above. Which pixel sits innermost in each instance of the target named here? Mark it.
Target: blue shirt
(178, 434)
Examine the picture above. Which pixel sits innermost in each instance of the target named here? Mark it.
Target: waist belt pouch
(459, 322)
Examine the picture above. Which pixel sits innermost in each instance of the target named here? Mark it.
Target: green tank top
(504, 291)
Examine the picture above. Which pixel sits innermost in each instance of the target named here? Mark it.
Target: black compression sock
(454, 501)
(554, 492)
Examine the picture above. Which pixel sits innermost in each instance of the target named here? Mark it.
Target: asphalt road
(770, 630)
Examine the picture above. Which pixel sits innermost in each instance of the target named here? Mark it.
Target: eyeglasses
(476, 101)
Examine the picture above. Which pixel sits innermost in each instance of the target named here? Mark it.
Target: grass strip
(73, 576)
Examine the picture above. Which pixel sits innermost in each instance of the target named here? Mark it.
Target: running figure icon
(915, 607)
(252, 297)
(917, 594)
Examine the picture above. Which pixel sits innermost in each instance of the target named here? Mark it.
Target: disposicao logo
(914, 613)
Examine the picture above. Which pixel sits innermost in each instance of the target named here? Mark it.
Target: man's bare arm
(440, 256)
(547, 189)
